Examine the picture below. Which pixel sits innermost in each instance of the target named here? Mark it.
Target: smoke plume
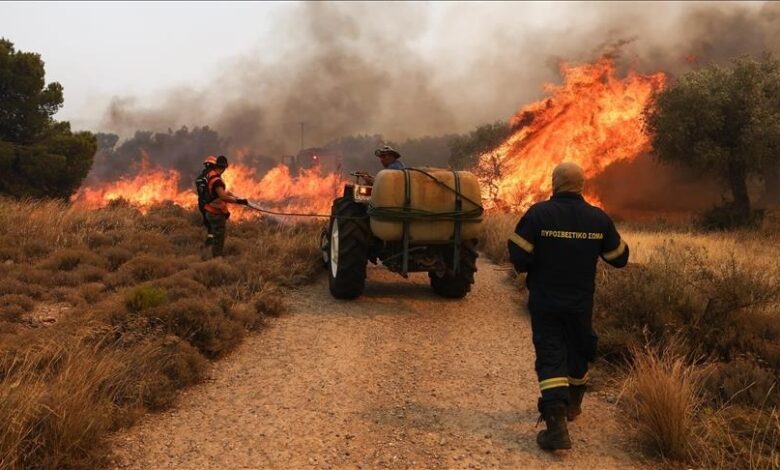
(405, 70)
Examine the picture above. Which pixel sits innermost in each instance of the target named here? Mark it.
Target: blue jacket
(396, 165)
(558, 243)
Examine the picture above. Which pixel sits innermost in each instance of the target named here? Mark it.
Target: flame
(593, 119)
(278, 190)
(151, 185)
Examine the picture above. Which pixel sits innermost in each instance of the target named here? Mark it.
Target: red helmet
(210, 160)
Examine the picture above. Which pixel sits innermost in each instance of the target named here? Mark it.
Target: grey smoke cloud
(407, 70)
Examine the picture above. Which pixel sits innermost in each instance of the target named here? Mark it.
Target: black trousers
(565, 343)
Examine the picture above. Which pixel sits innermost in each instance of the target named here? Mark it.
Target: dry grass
(663, 392)
(141, 316)
(720, 291)
(496, 229)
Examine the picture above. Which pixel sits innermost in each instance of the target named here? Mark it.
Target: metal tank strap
(406, 208)
(458, 224)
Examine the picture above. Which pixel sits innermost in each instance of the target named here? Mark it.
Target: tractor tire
(325, 245)
(348, 245)
(456, 285)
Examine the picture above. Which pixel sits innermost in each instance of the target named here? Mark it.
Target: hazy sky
(98, 50)
(481, 60)
(141, 49)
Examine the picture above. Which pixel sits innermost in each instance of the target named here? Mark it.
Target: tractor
(410, 220)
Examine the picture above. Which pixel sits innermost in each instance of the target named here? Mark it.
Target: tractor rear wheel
(348, 246)
(456, 285)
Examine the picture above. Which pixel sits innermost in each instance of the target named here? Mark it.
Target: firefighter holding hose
(213, 198)
(558, 243)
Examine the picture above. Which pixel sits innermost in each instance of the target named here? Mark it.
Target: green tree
(724, 121)
(38, 156)
(465, 149)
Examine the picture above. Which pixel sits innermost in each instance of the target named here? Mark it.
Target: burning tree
(594, 118)
(724, 121)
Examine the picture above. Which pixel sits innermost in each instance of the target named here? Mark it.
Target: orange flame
(593, 119)
(307, 192)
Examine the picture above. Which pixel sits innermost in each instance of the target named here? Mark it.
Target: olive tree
(723, 121)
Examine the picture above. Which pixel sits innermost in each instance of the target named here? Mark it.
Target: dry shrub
(68, 259)
(14, 286)
(203, 325)
(63, 388)
(181, 286)
(727, 308)
(269, 301)
(35, 248)
(216, 272)
(154, 243)
(663, 394)
(497, 227)
(13, 306)
(145, 268)
(30, 275)
(143, 297)
(92, 292)
(58, 420)
(98, 240)
(247, 316)
(187, 239)
(724, 309)
(743, 382)
(116, 256)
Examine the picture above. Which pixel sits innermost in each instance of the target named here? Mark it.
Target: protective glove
(242, 201)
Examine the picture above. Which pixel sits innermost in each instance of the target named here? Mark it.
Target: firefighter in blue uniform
(558, 243)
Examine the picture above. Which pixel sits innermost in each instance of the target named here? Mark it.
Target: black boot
(556, 436)
(576, 392)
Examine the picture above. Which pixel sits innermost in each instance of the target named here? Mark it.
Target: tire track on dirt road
(398, 378)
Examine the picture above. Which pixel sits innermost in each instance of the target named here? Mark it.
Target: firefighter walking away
(558, 243)
(213, 198)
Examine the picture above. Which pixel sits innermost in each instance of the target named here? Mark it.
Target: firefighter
(389, 157)
(213, 197)
(558, 243)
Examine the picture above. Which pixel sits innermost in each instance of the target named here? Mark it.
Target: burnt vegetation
(106, 314)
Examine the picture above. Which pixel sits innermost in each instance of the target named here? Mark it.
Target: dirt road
(397, 379)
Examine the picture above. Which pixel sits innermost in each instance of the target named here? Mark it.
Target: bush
(496, 230)
(663, 393)
(143, 297)
(216, 272)
(64, 388)
(181, 286)
(13, 306)
(269, 301)
(116, 256)
(35, 249)
(203, 325)
(91, 292)
(145, 268)
(68, 259)
(727, 216)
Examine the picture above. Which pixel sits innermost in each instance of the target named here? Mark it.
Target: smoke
(404, 70)
(408, 70)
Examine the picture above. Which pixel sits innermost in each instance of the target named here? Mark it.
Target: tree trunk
(772, 184)
(739, 190)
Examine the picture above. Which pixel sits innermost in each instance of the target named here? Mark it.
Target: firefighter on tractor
(213, 198)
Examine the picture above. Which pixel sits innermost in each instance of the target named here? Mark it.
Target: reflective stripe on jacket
(558, 243)
(217, 205)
